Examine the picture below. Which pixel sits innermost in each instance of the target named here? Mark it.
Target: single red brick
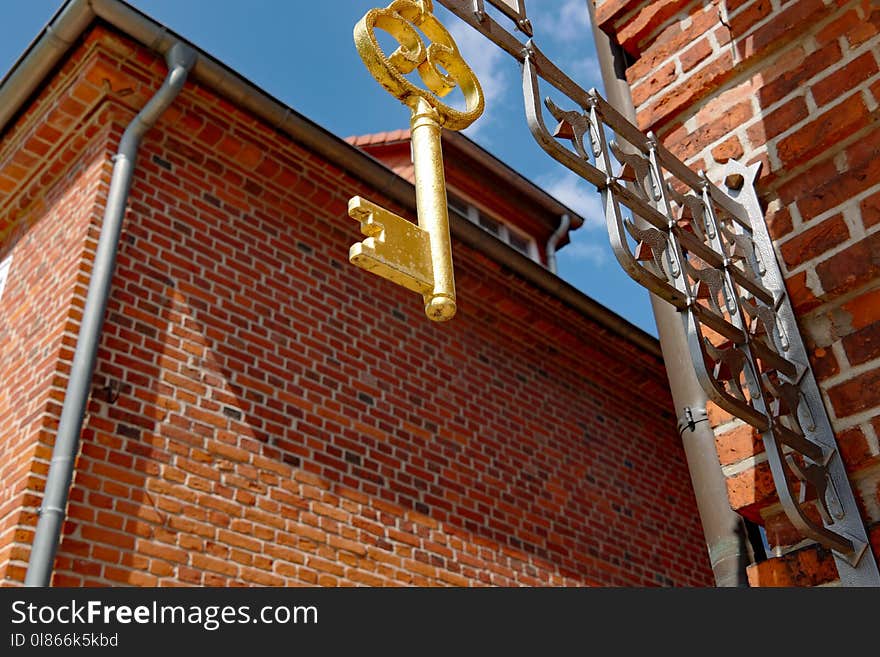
(740, 23)
(779, 222)
(838, 190)
(717, 415)
(841, 80)
(854, 449)
(659, 80)
(824, 363)
(862, 153)
(210, 134)
(806, 567)
(839, 26)
(778, 121)
(815, 241)
(609, 10)
(852, 267)
(806, 182)
(864, 310)
(858, 394)
(751, 490)
(695, 54)
(729, 149)
(86, 92)
(37, 146)
(737, 444)
(632, 34)
(780, 532)
(836, 124)
(863, 345)
(803, 299)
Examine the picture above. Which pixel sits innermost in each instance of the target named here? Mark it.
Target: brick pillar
(794, 84)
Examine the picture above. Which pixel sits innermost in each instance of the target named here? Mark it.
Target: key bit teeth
(363, 211)
(395, 248)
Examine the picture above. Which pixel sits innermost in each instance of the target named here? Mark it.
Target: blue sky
(302, 53)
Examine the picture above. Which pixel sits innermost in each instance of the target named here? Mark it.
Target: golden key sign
(417, 257)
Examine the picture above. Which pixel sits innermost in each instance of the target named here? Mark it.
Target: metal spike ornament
(417, 257)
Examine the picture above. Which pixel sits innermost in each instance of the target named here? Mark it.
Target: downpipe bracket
(690, 417)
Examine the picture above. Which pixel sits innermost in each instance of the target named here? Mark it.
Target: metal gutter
(180, 59)
(65, 27)
(722, 526)
(553, 242)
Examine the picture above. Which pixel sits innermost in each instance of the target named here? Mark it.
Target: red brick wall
(285, 418)
(795, 85)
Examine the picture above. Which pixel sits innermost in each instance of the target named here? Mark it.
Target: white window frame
(505, 230)
(5, 265)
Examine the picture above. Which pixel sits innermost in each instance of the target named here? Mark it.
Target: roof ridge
(379, 137)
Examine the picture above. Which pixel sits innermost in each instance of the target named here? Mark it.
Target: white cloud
(562, 31)
(488, 63)
(588, 243)
(484, 58)
(586, 72)
(581, 249)
(576, 193)
(565, 21)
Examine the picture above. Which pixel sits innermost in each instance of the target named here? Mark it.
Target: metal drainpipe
(722, 527)
(564, 224)
(180, 59)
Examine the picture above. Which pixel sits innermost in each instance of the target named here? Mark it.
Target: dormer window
(511, 236)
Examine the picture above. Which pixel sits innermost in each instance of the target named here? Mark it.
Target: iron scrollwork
(707, 252)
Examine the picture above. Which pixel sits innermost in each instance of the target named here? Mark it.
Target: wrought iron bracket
(842, 528)
(706, 251)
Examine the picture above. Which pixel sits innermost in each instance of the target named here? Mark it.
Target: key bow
(400, 19)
